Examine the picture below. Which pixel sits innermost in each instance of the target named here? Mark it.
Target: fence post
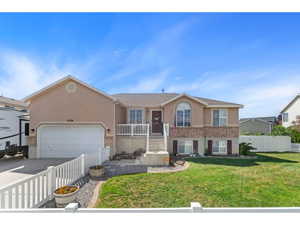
(131, 127)
(196, 207)
(52, 181)
(82, 165)
(72, 207)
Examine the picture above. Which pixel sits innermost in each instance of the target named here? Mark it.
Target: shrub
(66, 190)
(245, 148)
(252, 134)
(290, 131)
(206, 153)
(280, 131)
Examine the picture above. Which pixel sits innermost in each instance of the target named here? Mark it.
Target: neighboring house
(262, 125)
(69, 117)
(290, 115)
(12, 122)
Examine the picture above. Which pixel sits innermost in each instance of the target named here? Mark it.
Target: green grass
(270, 180)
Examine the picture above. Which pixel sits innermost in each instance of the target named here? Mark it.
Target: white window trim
(183, 115)
(219, 153)
(128, 114)
(212, 117)
(287, 115)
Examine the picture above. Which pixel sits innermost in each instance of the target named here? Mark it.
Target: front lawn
(272, 179)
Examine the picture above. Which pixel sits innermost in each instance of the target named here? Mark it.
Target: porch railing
(166, 134)
(133, 129)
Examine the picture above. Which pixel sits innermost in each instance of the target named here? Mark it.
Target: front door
(156, 122)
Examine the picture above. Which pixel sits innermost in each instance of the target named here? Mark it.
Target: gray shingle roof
(271, 119)
(156, 99)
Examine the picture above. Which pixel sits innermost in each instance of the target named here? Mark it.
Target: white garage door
(68, 141)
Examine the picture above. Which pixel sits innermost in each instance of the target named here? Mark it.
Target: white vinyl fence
(195, 207)
(295, 147)
(268, 143)
(34, 191)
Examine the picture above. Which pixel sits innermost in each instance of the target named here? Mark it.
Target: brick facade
(190, 132)
(196, 132)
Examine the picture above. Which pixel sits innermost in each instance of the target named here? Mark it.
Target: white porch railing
(34, 191)
(147, 138)
(133, 129)
(166, 134)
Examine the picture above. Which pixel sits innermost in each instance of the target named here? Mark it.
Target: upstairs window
(136, 116)
(285, 117)
(183, 115)
(220, 117)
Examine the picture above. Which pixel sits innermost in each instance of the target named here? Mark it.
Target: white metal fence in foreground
(34, 191)
(194, 208)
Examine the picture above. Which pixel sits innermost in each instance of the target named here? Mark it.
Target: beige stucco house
(69, 117)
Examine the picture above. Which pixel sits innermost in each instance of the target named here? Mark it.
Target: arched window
(183, 115)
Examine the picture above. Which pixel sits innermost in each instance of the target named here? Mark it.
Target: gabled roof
(161, 99)
(271, 119)
(291, 103)
(12, 102)
(144, 99)
(255, 119)
(69, 77)
(184, 95)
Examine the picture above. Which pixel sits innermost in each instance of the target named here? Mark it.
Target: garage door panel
(63, 141)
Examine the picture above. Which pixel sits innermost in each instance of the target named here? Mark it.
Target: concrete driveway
(14, 169)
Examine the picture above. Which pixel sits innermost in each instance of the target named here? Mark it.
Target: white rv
(13, 117)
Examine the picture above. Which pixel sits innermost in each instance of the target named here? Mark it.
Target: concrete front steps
(157, 154)
(156, 144)
(139, 165)
(159, 158)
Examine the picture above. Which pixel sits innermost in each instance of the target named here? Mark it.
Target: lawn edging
(95, 198)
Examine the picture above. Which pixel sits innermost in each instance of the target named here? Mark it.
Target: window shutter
(210, 143)
(175, 144)
(229, 147)
(26, 129)
(195, 146)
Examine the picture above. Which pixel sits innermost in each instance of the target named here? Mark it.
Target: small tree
(280, 131)
(245, 148)
(290, 131)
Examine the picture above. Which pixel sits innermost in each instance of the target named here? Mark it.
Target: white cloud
(268, 100)
(148, 84)
(157, 53)
(21, 75)
(263, 93)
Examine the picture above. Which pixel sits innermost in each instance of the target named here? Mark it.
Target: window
(285, 117)
(220, 117)
(185, 147)
(136, 116)
(219, 146)
(183, 115)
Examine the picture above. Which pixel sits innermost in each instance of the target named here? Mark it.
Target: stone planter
(96, 171)
(62, 200)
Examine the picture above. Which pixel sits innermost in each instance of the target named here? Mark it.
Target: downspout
(20, 132)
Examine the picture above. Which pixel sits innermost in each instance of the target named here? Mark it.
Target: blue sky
(251, 59)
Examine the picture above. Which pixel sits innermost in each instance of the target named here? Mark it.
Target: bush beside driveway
(269, 180)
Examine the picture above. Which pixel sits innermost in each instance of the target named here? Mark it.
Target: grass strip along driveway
(270, 180)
